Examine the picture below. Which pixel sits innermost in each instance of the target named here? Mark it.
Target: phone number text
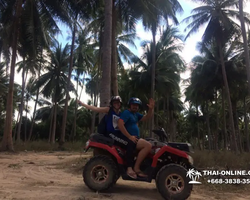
(229, 181)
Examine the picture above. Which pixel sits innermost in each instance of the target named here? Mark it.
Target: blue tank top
(112, 122)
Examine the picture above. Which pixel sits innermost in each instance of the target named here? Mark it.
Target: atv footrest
(126, 177)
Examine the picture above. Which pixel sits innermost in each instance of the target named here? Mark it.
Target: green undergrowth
(202, 159)
(42, 145)
(221, 160)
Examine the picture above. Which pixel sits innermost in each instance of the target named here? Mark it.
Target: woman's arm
(94, 108)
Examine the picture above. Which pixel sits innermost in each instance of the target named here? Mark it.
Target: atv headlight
(190, 160)
(87, 144)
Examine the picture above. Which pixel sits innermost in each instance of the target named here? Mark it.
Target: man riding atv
(128, 125)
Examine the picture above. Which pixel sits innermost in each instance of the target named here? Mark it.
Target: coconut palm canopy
(210, 109)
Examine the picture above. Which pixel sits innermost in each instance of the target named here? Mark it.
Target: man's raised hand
(151, 103)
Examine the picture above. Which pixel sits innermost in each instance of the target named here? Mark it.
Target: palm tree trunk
(235, 146)
(208, 127)
(53, 120)
(198, 128)
(53, 134)
(173, 125)
(224, 129)
(26, 121)
(164, 111)
(15, 131)
(217, 123)
(153, 74)
(94, 113)
(75, 118)
(168, 118)
(65, 112)
(246, 125)
(73, 132)
(72, 135)
(22, 105)
(236, 122)
(51, 124)
(106, 60)
(157, 111)
(34, 112)
(114, 82)
(7, 143)
(245, 43)
(203, 135)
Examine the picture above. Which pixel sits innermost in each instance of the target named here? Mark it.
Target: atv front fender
(111, 150)
(168, 149)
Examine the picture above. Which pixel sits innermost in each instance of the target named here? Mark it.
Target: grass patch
(221, 160)
(15, 166)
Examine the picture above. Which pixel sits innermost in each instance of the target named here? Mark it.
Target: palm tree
(84, 63)
(81, 9)
(7, 143)
(169, 65)
(106, 56)
(53, 82)
(124, 53)
(123, 22)
(152, 14)
(13, 15)
(3, 85)
(246, 52)
(3, 92)
(92, 90)
(46, 114)
(220, 25)
(206, 81)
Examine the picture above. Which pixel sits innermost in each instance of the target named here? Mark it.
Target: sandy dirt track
(57, 176)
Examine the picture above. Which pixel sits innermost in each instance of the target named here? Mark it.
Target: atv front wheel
(100, 173)
(172, 183)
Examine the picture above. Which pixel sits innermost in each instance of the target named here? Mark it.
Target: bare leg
(131, 146)
(144, 148)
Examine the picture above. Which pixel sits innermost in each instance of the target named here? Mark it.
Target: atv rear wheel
(100, 173)
(172, 183)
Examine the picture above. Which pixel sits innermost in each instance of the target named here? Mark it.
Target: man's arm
(150, 111)
(125, 132)
(93, 108)
(122, 128)
(148, 115)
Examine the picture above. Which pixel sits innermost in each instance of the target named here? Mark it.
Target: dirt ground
(57, 176)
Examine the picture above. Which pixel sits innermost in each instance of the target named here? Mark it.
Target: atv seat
(100, 138)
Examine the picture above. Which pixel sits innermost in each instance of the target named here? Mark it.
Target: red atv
(167, 164)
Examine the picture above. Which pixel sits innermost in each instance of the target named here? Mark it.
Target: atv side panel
(168, 149)
(111, 150)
